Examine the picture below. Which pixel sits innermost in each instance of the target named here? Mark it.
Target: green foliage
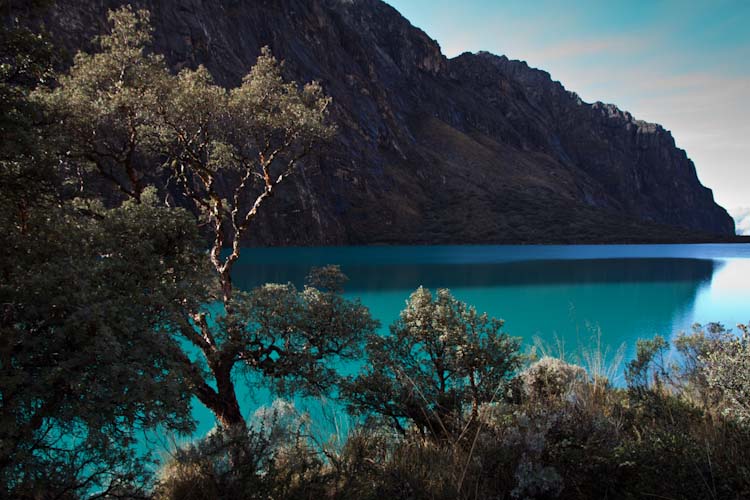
(708, 367)
(694, 350)
(570, 450)
(122, 113)
(698, 453)
(273, 459)
(100, 291)
(83, 364)
(295, 337)
(104, 107)
(551, 378)
(572, 438)
(441, 358)
(225, 464)
(26, 165)
(87, 294)
(264, 120)
(251, 137)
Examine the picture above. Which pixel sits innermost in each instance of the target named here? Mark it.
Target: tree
(694, 350)
(83, 362)
(441, 359)
(83, 291)
(293, 337)
(97, 294)
(228, 151)
(26, 166)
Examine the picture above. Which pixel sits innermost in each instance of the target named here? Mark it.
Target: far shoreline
(736, 240)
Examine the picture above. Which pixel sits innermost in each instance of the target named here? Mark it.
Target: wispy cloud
(604, 46)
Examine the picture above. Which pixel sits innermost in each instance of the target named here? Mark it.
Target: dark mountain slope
(477, 148)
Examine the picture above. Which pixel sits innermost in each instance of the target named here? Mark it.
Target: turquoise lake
(571, 292)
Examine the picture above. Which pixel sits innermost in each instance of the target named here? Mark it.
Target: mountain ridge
(477, 148)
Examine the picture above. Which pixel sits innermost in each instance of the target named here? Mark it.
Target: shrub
(273, 459)
(224, 464)
(727, 369)
(694, 351)
(551, 378)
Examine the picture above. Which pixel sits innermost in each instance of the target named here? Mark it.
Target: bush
(273, 459)
(551, 378)
(558, 433)
(225, 464)
(727, 370)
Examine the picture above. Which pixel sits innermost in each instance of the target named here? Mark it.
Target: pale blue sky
(683, 64)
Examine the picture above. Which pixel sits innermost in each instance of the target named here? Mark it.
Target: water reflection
(407, 276)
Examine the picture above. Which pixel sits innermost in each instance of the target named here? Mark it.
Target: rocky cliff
(478, 148)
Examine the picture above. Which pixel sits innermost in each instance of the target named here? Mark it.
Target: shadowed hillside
(478, 148)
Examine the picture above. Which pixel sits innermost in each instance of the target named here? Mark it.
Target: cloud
(742, 220)
(608, 46)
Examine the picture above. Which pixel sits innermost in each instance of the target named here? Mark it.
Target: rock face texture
(474, 149)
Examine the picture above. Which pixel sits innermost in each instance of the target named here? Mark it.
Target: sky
(681, 63)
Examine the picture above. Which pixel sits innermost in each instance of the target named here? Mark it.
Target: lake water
(625, 292)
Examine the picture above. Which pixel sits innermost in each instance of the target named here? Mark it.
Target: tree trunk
(225, 277)
(227, 410)
(223, 401)
(474, 397)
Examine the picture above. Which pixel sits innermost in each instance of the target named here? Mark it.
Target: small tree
(84, 365)
(441, 359)
(650, 370)
(27, 166)
(552, 378)
(694, 350)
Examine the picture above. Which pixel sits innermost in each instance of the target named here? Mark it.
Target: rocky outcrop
(478, 148)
